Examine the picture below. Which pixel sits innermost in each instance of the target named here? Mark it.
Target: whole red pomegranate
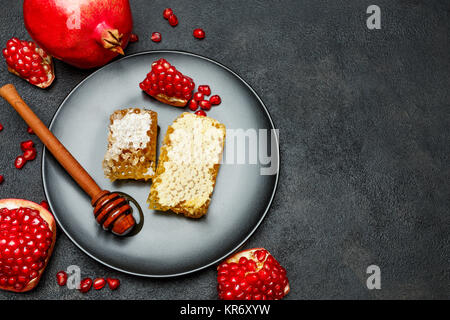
(83, 33)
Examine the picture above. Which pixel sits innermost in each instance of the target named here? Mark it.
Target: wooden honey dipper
(111, 210)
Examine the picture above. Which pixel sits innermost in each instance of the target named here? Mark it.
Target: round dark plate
(168, 244)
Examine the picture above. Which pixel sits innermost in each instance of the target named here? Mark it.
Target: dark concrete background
(364, 128)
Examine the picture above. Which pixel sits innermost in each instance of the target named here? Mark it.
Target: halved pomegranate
(252, 274)
(27, 238)
(29, 62)
(168, 85)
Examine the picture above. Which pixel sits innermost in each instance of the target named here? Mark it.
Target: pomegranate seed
(205, 104)
(113, 283)
(61, 278)
(99, 283)
(20, 162)
(44, 204)
(156, 37)
(251, 265)
(29, 154)
(134, 38)
(26, 145)
(167, 13)
(260, 255)
(85, 285)
(173, 20)
(243, 260)
(30, 131)
(215, 100)
(199, 33)
(1, 127)
(1, 179)
(205, 89)
(193, 105)
(198, 96)
(201, 113)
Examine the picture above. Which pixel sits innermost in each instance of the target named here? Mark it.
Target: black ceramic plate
(168, 244)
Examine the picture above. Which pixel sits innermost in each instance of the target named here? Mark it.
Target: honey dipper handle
(69, 163)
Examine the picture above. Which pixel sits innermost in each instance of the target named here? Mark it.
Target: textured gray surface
(364, 128)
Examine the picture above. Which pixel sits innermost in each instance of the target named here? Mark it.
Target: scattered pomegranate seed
(201, 113)
(252, 275)
(193, 105)
(205, 89)
(85, 285)
(29, 62)
(205, 104)
(134, 38)
(113, 283)
(167, 13)
(1, 179)
(26, 145)
(25, 240)
(44, 204)
(166, 84)
(173, 20)
(199, 33)
(30, 131)
(99, 283)
(156, 37)
(198, 96)
(29, 154)
(215, 100)
(1, 127)
(20, 162)
(61, 278)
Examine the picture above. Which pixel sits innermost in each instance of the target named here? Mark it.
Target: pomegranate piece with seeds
(199, 33)
(252, 274)
(29, 62)
(1, 179)
(61, 278)
(156, 37)
(27, 238)
(168, 85)
(1, 127)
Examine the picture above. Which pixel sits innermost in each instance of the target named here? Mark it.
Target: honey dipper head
(113, 212)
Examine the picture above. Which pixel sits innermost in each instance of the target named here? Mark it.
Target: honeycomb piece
(132, 140)
(188, 165)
